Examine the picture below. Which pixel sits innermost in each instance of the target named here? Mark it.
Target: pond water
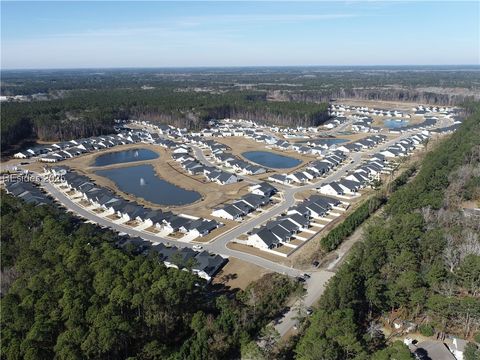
(142, 181)
(271, 160)
(395, 123)
(125, 156)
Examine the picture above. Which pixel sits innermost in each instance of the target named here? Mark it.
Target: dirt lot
(237, 274)
(257, 252)
(213, 194)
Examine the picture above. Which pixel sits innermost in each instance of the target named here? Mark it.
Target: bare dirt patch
(257, 252)
(238, 274)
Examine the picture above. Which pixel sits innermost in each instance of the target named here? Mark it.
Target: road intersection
(319, 278)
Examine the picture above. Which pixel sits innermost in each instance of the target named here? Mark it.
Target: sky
(93, 34)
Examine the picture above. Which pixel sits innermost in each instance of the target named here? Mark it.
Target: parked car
(316, 263)
(300, 279)
(306, 276)
(309, 311)
(197, 247)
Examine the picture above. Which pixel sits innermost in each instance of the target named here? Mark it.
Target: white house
(332, 188)
(229, 212)
(20, 155)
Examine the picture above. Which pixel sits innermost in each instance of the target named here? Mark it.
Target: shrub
(426, 330)
(477, 337)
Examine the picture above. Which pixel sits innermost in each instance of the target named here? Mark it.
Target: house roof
(299, 219)
(233, 211)
(267, 237)
(208, 263)
(243, 206)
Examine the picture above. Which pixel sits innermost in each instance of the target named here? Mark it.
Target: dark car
(316, 263)
(300, 279)
(306, 276)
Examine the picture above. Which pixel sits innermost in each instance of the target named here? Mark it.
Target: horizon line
(171, 67)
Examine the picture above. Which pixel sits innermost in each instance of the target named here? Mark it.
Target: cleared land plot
(254, 251)
(237, 274)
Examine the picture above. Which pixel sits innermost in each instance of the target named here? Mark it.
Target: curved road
(218, 244)
(314, 286)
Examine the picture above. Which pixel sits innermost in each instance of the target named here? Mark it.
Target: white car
(197, 247)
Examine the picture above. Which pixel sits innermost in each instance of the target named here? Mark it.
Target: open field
(237, 274)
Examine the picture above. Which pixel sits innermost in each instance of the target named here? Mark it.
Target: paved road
(219, 244)
(203, 159)
(314, 286)
(314, 290)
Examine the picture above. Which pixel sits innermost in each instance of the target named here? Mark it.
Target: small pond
(395, 123)
(142, 181)
(271, 160)
(125, 156)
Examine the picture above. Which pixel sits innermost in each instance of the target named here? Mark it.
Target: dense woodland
(69, 294)
(419, 261)
(85, 102)
(342, 231)
(89, 113)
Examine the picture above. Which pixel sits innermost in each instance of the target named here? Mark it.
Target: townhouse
(128, 211)
(203, 264)
(282, 230)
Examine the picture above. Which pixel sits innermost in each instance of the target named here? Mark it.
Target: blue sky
(72, 34)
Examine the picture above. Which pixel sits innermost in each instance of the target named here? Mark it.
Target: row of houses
(194, 167)
(28, 192)
(283, 229)
(447, 129)
(358, 179)
(405, 146)
(340, 109)
(335, 121)
(259, 196)
(68, 149)
(309, 148)
(321, 146)
(203, 264)
(238, 164)
(434, 109)
(211, 173)
(220, 155)
(427, 123)
(362, 144)
(311, 171)
(111, 204)
(363, 124)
